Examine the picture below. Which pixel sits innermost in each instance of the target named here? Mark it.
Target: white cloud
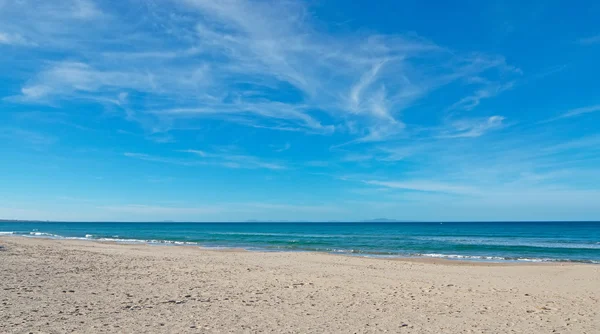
(426, 186)
(505, 169)
(14, 39)
(230, 160)
(581, 111)
(197, 152)
(574, 113)
(79, 80)
(63, 24)
(222, 159)
(469, 128)
(283, 148)
(273, 114)
(472, 101)
(376, 104)
(85, 9)
(152, 158)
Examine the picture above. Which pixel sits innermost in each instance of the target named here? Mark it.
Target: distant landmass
(381, 220)
(270, 221)
(23, 220)
(376, 220)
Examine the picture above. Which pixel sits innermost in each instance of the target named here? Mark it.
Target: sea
(471, 241)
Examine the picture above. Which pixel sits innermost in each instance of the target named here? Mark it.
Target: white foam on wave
(152, 241)
(532, 260)
(504, 242)
(497, 258)
(43, 234)
(465, 257)
(120, 240)
(6, 233)
(344, 251)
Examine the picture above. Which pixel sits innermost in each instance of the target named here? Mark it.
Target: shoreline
(415, 259)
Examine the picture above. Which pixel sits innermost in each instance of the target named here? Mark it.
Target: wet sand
(63, 286)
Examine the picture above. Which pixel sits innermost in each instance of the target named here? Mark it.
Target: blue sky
(196, 110)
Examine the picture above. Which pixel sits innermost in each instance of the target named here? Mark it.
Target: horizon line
(386, 221)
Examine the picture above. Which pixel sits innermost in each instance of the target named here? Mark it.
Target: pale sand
(60, 286)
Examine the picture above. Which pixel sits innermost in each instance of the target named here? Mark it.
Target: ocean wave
(510, 243)
(44, 234)
(500, 258)
(152, 241)
(283, 235)
(465, 257)
(6, 233)
(345, 251)
(120, 240)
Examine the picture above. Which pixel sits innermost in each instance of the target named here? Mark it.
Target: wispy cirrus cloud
(230, 160)
(153, 158)
(574, 113)
(49, 24)
(472, 101)
(14, 39)
(231, 60)
(470, 128)
(485, 170)
(426, 186)
(202, 158)
(581, 111)
(76, 79)
(281, 148)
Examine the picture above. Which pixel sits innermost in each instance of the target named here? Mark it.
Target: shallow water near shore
(482, 241)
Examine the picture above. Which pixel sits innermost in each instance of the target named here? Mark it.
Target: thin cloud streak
(283, 148)
(581, 111)
(471, 128)
(426, 186)
(233, 161)
(472, 101)
(574, 113)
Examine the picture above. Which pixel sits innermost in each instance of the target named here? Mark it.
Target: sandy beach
(62, 286)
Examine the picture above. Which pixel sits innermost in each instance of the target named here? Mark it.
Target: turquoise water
(491, 241)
